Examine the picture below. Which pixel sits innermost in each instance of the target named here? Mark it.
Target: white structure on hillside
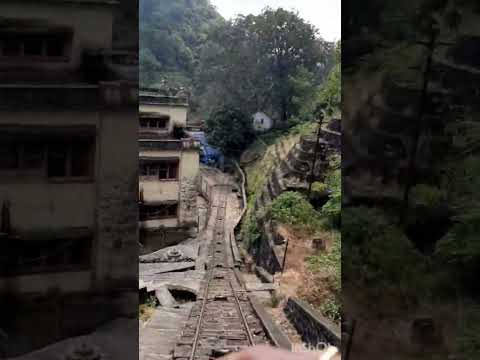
(262, 122)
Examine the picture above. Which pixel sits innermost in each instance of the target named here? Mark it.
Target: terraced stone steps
(291, 172)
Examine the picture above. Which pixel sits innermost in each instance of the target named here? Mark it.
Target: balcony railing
(73, 96)
(168, 144)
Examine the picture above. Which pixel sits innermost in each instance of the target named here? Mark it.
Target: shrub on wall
(292, 208)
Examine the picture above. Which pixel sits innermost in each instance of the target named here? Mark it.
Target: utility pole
(285, 256)
(315, 154)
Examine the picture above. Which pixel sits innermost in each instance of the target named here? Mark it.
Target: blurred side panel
(68, 178)
(410, 218)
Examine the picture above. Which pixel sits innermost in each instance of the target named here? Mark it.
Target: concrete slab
(165, 298)
(159, 334)
(160, 268)
(264, 275)
(114, 341)
(172, 254)
(190, 280)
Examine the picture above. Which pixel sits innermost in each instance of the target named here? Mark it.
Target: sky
(324, 14)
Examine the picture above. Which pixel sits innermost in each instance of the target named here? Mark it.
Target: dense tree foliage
(273, 62)
(264, 62)
(171, 35)
(331, 91)
(230, 130)
(396, 54)
(310, 98)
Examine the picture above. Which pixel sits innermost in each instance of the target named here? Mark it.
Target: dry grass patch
(146, 312)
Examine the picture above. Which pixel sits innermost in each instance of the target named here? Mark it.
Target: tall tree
(287, 43)
(173, 32)
(230, 130)
(254, 57)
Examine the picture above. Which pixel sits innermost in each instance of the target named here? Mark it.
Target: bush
(329, 262)
(249, 230)
(230, 130)
(459, 252)
(276, 299)
(292, 208)
(319, 188)
(378, 252)
(333, 208)
(427, 195)
(147, 309)
(468, 340)
(332, 310)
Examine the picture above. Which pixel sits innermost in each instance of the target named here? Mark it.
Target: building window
(33, 155)
(41, 45)
(22, 257)
(168, 170)
(163, 170)
(81, 159)
(158, 123)
(72, 157)
(57, 160)
(158, 212)
(55, 46)
(33, 46)
(9, 156)
(10, 47)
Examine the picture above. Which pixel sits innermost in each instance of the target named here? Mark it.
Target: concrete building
(68, 172)
(262, 122)
(169, 163)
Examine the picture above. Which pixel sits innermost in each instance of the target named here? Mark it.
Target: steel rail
(202, 312)
(244, 319)
(205, 298)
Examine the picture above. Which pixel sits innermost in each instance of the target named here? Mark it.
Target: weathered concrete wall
(188, 202)
(39, 283)
(315, 329)
(117, 211)
(36, 201)
(266, 253)
(190, 164)
(159, 223)
(189, 168)
(184, 190)
(205, 186)
(62, 304)
(56, 317)
(105, 203)
(155, 190)
(152, 240)
(47, 207)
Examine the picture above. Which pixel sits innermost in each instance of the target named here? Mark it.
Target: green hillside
(171, 35)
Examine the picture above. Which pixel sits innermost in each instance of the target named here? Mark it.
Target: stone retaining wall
(291, 174)
(264, 251)
(188, 202)
(314, 328)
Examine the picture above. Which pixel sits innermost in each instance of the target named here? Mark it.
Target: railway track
(222, 320)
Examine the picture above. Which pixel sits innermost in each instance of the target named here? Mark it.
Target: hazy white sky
(324, 14)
